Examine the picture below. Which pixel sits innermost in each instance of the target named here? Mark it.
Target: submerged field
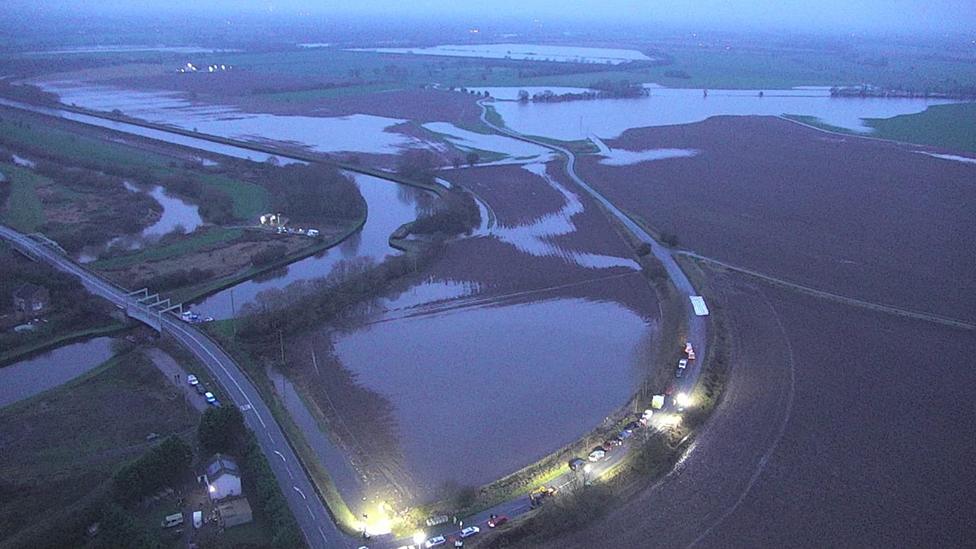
(864, 219)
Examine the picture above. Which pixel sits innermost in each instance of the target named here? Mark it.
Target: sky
(903, 16)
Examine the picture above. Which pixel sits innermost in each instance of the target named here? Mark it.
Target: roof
(220, 464)
(234, 506)
(699, 304)
(28, 291)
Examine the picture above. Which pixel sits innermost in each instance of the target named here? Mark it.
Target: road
(309, 510)
(697, 325)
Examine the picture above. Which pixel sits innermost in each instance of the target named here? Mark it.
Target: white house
(223, 478)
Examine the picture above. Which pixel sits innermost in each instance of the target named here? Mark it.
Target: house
(234, 512)
(223, 477)
(31, 299)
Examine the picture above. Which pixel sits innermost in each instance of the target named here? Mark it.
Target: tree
(472, 158)
(162, 466)
(221, 430)
(523, 96)
(417, 164)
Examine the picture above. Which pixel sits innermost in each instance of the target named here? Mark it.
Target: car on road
(679, 373)
(576, 464)
(683, 363)
(470, 531)
(597, 454)
(192, 379)
(495, 521)
(210, 397)
(435, 541)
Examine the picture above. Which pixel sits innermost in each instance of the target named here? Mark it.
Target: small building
(234, 512)
(31, 299)
(223, 477)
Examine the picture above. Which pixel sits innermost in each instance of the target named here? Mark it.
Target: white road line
(300, 492)
(282, 456)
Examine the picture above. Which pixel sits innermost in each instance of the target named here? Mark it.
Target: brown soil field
(223, 259)
(516, 195)
(866, 219)
(839, 427)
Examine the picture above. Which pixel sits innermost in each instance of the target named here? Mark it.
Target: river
(45, 371)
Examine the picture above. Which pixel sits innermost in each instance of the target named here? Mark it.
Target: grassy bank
(23, 210)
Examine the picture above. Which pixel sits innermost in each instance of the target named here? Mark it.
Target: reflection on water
(480, 392)
(176, 215)
(45, 371)
(389, 206)
(534, 238)
(608, 118)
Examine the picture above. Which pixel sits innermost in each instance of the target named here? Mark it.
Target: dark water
(42, 372)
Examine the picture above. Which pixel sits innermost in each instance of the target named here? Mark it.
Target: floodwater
(531, 52)
(623, 157)
(466, 140)
(480, 392)
(608, 118)
(534, 237)
(355, 133)
(35, 375)
(177, 214)
(389, 206)
(164, 136)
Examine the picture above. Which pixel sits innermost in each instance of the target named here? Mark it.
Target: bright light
(587, 468)
(683, 400)
(212, 488)
(419, 537)
(670, 420)
(378, 522)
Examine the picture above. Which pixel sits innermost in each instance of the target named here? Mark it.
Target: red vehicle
(495, 521)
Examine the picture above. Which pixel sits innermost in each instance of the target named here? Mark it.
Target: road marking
(300, 492)
(282, 456)
(310, 513)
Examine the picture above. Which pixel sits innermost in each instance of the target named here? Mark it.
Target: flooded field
(389, 206)
(527, 52)
(177, 215)
(608, 118)
(37, 374)
(480, 392)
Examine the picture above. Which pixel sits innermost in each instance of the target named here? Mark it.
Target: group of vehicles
(202, 390)
(195, 318)
(683, 363)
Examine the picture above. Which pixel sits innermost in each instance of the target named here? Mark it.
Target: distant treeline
(601, 89)
(955, 91)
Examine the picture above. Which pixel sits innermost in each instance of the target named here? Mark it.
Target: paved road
(309, 511)
(697, 329)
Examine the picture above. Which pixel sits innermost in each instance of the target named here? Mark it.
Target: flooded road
(389, 206)
(37, 374)
(481, 392)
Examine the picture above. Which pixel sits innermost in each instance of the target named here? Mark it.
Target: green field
(52, 137)
(944, 126)
(23, 209)
(196, 241)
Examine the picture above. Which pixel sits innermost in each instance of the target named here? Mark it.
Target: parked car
(496, 521)
(597, 454)
(679, 373)
(683, 363)
(616, 441)
(192, 380)
(470, 531)
(210, 397)
(625, 434)
(576, 464)
(215, 403)
(435, 541)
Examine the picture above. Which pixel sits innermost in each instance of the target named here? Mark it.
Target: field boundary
(888, 309)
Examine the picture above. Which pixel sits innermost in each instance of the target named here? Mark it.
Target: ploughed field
(839, 427)
(866, 219)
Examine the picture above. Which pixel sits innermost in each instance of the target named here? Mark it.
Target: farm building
(31, 299)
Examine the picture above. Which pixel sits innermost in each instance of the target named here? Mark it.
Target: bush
(222, 430)
(269, 255)
(457, 213)
(417, 164)
(162, 466)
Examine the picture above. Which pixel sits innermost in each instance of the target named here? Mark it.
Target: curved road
(697, 329)
(309, 511)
